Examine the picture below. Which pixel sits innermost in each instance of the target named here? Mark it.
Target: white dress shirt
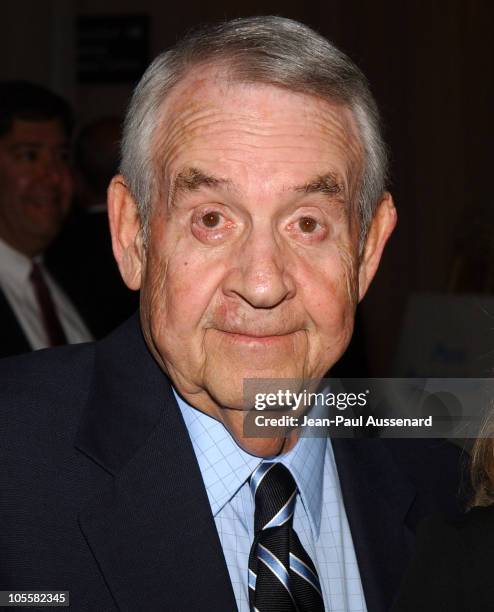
(320, 518)
(15, 269)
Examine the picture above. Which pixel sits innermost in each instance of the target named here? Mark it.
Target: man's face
(35, 184)
(251, 268)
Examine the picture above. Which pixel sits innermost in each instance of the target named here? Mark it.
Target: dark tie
(282, 577)
(51, 322)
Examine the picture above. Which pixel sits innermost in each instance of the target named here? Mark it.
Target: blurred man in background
(82, 255)
(36, 189)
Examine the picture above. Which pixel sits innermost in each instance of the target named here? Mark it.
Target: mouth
(45, 199)
(45, 204)
(259, 338)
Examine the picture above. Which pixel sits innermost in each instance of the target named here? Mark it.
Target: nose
(259, 274)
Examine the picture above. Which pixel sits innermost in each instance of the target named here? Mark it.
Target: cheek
(18, 191)
(16, 183)
(25, 189)
(67, 185)
(329, 296)
(182, 285)
(330, 307)
(8, 192)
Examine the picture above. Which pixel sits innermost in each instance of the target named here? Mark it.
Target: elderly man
(91, 275)
(251, 212)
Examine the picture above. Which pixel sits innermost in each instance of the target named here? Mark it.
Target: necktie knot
(282, 577)
(274, 491)
(36, 276)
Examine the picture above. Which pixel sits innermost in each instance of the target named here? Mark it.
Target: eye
(28, 155)
(211, 219)
(308, 225)
(212, 226)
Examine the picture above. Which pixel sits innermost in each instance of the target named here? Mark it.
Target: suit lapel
(377, 498)
(150, 529)
(12, 338)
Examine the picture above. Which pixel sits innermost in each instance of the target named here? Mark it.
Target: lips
(44, 202)
(257, 339)
(258, 334)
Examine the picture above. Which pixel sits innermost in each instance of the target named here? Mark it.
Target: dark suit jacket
(101, 493)
(452, 569)
(13, 340)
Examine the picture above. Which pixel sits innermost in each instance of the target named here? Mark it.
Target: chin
(226, 397)
(265, 447)
(233, 420)
(229, 390)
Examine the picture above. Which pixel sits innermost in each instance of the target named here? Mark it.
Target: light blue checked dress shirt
(320, 519)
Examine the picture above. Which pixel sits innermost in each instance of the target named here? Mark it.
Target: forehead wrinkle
(240, 134)
(187, 120)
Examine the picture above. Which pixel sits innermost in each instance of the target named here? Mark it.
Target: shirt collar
(306, 464)
(14, 264)
(225, 467)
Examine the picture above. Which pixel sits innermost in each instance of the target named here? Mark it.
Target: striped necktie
(282, 577)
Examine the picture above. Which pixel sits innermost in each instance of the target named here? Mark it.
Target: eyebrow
(192, 179)
(327, 184)
(26, 144)
(36, 144)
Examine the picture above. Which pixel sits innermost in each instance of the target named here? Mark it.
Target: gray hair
(268, 50)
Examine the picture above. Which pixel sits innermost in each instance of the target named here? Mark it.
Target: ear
(381, 227)
(126, 234)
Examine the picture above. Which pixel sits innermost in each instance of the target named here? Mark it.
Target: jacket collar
(152, 518)
(377, 497)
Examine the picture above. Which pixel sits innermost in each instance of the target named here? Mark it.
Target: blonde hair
(482, 465)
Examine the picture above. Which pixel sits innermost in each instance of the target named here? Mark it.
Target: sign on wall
(112, 48)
